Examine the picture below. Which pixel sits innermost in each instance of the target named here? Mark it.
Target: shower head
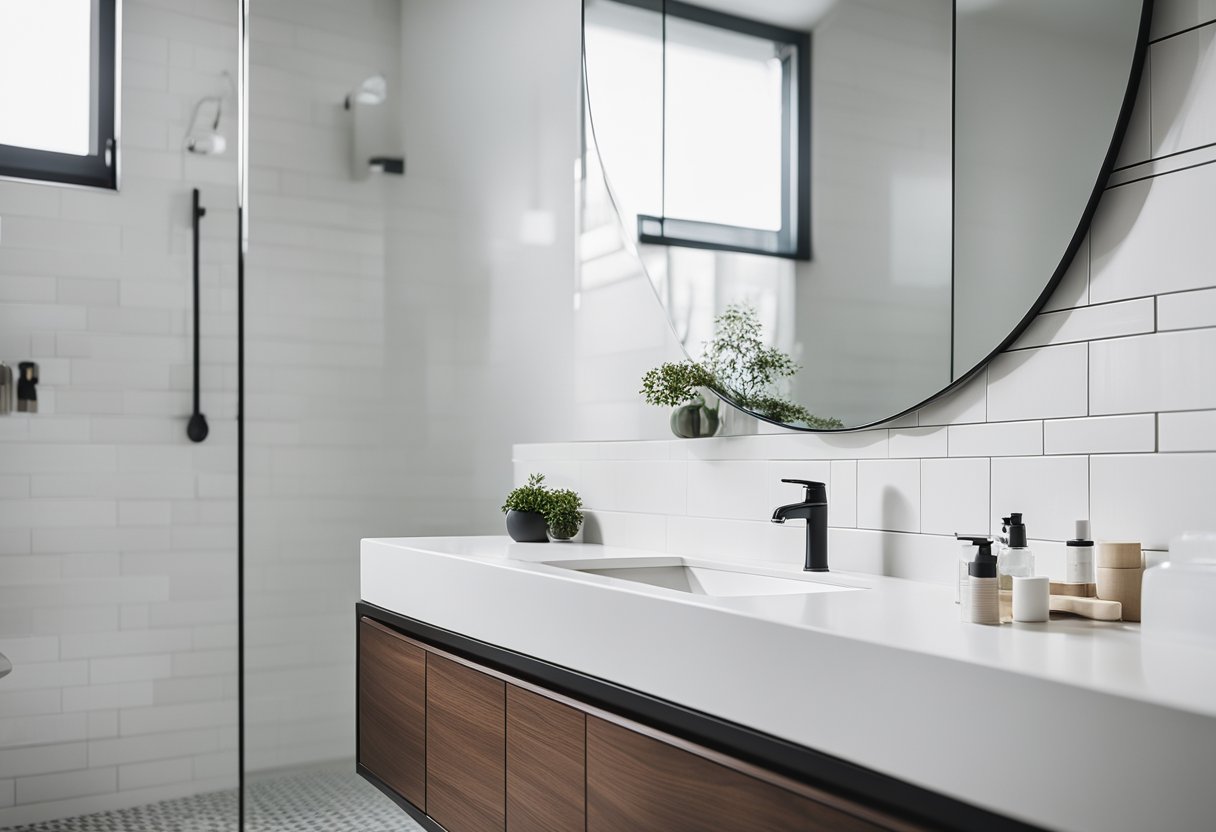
(206, 140)
(372, 90)
(209, 143)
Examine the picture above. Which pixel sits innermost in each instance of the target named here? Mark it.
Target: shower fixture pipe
(196, 428)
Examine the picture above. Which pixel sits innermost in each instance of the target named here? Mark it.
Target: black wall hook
(197, 428)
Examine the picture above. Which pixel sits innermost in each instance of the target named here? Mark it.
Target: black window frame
(98, 169)
(793, 239)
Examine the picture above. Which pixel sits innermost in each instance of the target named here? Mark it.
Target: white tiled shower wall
(384, 322)
(383, 315)
(316, 402)
(1105, 408)
(118, 535)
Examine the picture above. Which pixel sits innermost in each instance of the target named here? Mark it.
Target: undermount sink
(706, 580)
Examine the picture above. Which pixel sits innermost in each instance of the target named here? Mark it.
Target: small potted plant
(525, 510)
(535, 512)
(562, 513)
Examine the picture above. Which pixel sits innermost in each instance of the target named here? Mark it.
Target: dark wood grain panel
(546, 776)
(466, 778)
(638, 784)
(392, 710)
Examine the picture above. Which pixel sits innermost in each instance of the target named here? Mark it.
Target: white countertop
(1050, 723)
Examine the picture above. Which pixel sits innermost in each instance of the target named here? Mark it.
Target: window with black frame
(58, 120)
(719, 143)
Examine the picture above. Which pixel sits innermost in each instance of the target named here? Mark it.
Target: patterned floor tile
(324, 799)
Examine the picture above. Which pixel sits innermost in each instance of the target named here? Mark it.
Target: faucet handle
(815, 491)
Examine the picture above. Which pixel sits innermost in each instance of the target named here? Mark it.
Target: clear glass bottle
(1015, 560)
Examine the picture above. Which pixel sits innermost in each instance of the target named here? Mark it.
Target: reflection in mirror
(1039, 80)
(874, 309)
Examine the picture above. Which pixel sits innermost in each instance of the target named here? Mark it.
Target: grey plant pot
(527, 526)
(693, 421)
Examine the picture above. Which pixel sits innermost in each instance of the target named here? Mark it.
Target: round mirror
(846, 207)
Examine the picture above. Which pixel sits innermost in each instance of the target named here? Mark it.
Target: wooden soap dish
(1087, 607)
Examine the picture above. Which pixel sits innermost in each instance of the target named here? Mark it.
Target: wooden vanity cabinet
(638, 784)
(546, 771)
(392, 710)
(466, 747)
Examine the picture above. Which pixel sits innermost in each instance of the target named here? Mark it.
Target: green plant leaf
(737, 364)
(530, 497)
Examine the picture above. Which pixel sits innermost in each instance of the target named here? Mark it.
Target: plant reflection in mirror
(736, 364)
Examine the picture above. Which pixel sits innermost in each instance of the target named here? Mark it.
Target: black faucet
(814, 510)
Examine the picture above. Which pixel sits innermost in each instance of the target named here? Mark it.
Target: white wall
(400, 335)
(1106, 407)
(118, 535)
(484, 320)
(317, 402)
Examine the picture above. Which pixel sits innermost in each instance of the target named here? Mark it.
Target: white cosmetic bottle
(1079, 556)
(981, 601)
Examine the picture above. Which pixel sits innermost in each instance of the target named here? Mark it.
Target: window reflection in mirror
(875, 293)
(701, 113)
(956, 154)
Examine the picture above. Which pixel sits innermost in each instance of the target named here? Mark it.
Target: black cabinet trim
(420, 817)
(805, 765)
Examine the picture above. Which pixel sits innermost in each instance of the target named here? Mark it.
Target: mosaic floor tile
(325, 799)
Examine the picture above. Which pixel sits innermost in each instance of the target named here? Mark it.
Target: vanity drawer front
(639, 784)
(392, 710)
(546, 773)
(466, 778)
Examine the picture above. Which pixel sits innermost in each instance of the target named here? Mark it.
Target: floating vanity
(548, 686)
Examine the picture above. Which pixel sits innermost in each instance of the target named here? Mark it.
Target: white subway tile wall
(395, 324)
(118, 549)
(317, 400)
(1096, 412)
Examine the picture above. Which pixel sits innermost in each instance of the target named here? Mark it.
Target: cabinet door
(638, 784)
(466, 785)
(546, 774)
(392, 710)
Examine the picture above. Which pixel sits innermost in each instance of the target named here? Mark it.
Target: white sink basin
(706, 580)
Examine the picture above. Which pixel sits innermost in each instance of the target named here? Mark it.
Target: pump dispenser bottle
(1015, 560)
(981, 604)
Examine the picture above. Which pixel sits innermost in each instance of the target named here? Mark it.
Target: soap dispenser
(1015, 559)
(982, 605)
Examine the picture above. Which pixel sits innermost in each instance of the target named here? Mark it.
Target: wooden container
(1076, 590)
(1120, 556)
(1120, 573)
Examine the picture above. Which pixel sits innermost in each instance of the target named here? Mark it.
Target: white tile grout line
(1089, 408)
